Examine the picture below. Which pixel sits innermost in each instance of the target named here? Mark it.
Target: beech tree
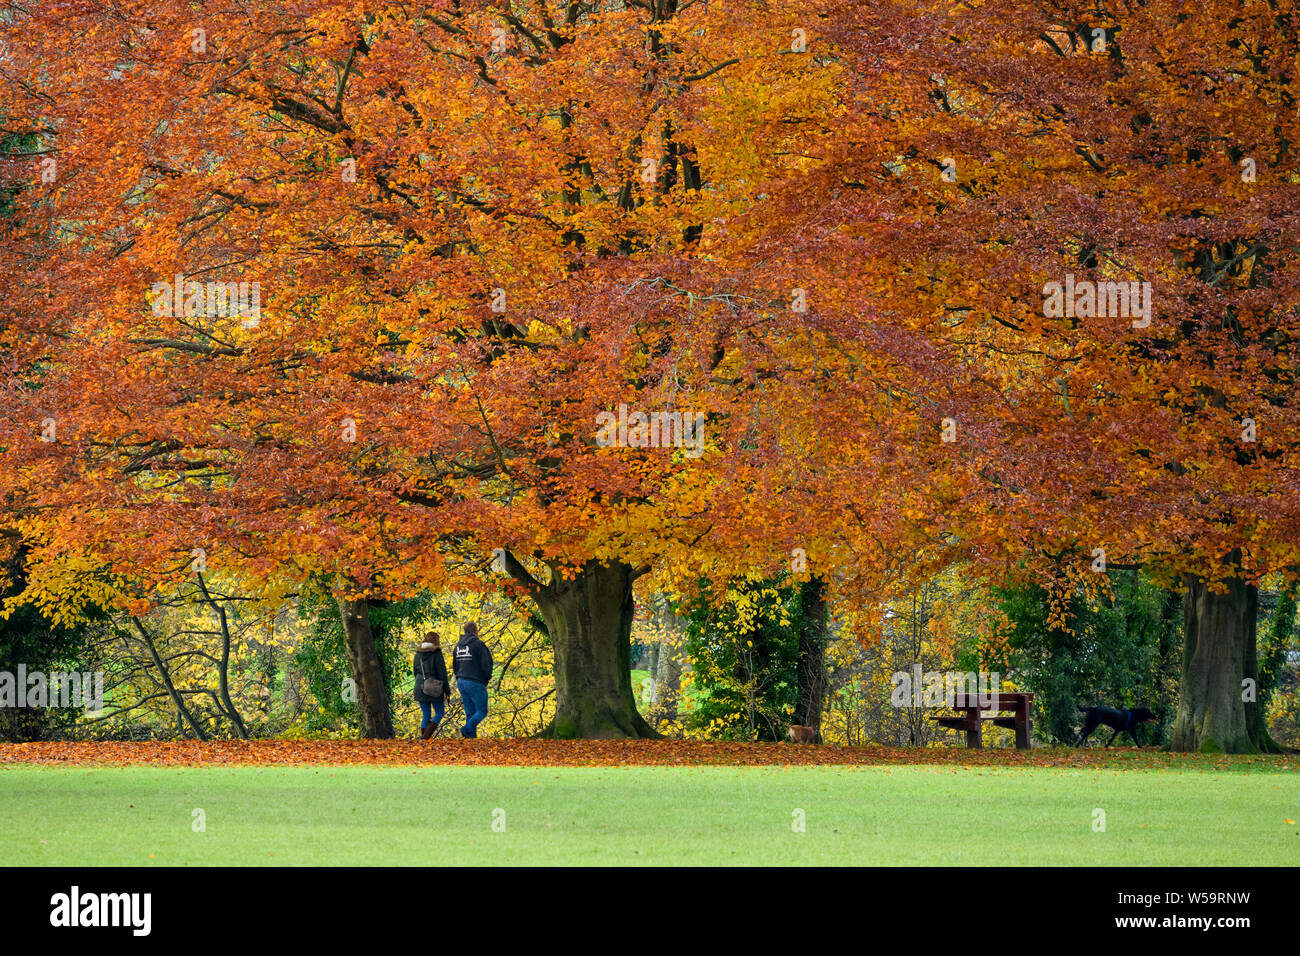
(347, 290)
(1109, 237)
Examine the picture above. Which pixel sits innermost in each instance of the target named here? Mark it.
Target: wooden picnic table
(972, 719)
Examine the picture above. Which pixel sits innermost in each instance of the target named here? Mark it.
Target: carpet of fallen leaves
(598, 753)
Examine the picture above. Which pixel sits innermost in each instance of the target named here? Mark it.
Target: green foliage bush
(744, 653)
(1121, 651)
(28, 638)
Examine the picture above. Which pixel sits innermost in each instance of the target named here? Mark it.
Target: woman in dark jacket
(429, 662)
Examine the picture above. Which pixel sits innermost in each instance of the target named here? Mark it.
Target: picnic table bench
(971, 719)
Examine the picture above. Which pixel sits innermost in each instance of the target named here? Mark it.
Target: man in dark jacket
(471, 661)
(430, 663)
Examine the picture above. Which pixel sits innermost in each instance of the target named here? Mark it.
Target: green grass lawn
(644, 815)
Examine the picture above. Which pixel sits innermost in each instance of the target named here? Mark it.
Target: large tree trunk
(367, 669)
(589, 619)
(1218, 655)
(812, 658)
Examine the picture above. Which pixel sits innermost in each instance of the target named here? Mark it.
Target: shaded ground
(593, 753)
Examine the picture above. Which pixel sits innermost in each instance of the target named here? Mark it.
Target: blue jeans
(474, 695)
(438, 706)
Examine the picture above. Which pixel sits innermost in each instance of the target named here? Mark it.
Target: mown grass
(390, 815)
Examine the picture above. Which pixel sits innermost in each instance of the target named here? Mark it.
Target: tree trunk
(183, 715)
(652, 665)
(1256, 727)
(589, 619)
(1171, 615)
(668, 682)
(1218, 655)
(367, 668)
(293, 695)
(811, 666)
(665, 661)
(223, 666)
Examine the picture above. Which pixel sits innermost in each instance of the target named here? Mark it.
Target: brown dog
(803, 735)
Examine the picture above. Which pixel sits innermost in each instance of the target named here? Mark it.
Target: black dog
(1121, 721)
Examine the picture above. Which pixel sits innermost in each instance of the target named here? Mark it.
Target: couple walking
(472, 665)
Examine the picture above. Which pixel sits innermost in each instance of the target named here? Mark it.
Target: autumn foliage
(594, 753)
(826, 226)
